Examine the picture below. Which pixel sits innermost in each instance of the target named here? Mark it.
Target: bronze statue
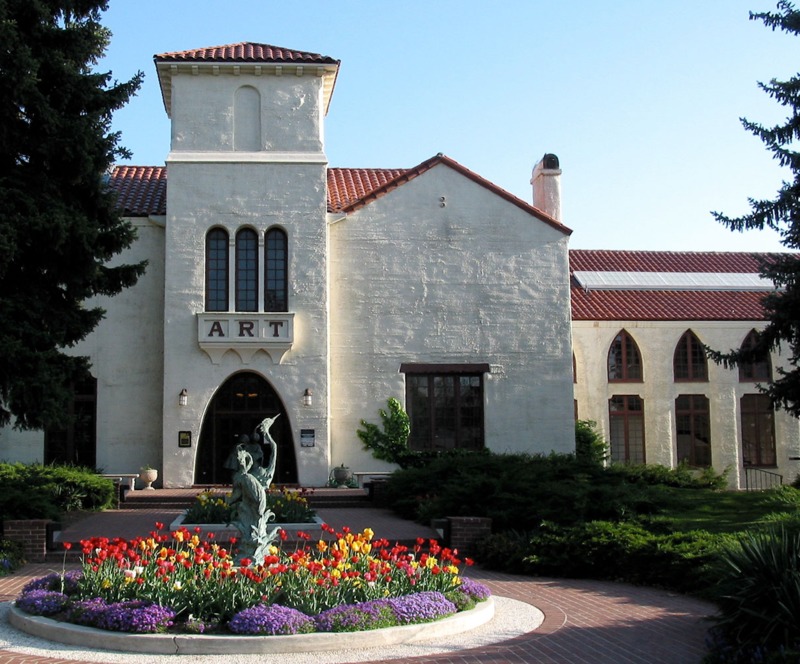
(249, 496)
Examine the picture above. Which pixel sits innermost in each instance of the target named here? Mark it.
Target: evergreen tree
(59, 226)
(782, 306)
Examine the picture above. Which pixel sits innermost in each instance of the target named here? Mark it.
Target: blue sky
(640, 99)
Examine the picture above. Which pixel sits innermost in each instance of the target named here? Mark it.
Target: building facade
(278, 285)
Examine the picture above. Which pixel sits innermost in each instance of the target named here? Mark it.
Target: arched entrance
(237, 408)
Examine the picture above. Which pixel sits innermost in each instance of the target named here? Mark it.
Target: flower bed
(180, 583)
(288, 506)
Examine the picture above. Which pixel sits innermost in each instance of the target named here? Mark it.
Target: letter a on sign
(216, 329)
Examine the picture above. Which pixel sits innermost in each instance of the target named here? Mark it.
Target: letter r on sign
(246, 328)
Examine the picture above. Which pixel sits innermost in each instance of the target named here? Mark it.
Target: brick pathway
(586, 622)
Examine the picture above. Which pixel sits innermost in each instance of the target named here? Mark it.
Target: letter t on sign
(275, 325)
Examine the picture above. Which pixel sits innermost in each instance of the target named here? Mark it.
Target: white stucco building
(278, 285)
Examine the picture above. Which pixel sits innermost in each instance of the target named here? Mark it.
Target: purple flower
(421, 607)
(356, 617)
(42, 602)
(138, 616)
(474, 589)
(270, 619)
(54, 581)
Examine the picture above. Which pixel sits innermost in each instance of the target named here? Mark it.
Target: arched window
(759, 369)
(624, 359)
(246, 270)
(247, 119)
(689, 361)
(276, 271)
(217, 270)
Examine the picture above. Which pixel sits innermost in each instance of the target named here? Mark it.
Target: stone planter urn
(341, 475)
(148, 476)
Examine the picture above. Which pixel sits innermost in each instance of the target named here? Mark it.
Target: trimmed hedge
(520, 491)
(36, 491)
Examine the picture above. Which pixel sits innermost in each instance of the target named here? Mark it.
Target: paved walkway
(586, 622)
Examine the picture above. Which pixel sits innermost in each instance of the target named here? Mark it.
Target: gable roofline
(246, 57)
(441, 159)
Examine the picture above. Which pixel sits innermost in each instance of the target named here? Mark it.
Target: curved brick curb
(202, 644)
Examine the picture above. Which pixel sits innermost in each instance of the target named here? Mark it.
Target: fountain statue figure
(249, 496)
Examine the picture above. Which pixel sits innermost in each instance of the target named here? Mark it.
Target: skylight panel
(682, 281)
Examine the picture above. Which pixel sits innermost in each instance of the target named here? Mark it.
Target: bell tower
(246, 240)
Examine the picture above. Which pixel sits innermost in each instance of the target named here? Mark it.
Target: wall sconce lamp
(308, 397)
(183, 397)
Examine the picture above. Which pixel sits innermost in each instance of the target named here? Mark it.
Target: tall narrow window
(217, 270)
(445, 406)
(626, 423)
(275, 271)
(246, 270)
(624, 360)
(758, 430)
(689, 361)
(758, 370)
(693, 429)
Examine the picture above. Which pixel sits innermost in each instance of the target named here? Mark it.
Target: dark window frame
(693, 421)
(627, 415)
(758, 431)
(627, 360)
(246, 270)
(689, 362)
(276, 270)
(217, 270)
(450, 395)
(757, 371)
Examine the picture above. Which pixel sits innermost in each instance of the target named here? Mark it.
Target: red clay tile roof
(348, 186)
(664, 261)
(244, 52)
(666, 305)
(141, 190)
(653, 305)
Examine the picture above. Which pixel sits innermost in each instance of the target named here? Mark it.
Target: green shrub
(36, 491)
(759, 595)
(390, 443)
(681, 477)
(589, 443)
(12, 556)
(519, 491)
(623, 551)
(19, 502)
(506, 551)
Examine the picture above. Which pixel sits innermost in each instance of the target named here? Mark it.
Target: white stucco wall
(656, 342)
(476, 280)
(203, 112)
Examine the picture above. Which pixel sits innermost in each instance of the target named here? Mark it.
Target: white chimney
(546, 181)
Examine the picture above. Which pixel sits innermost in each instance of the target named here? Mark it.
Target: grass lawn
(719, 511)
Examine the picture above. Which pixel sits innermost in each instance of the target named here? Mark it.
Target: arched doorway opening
(239, 405)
